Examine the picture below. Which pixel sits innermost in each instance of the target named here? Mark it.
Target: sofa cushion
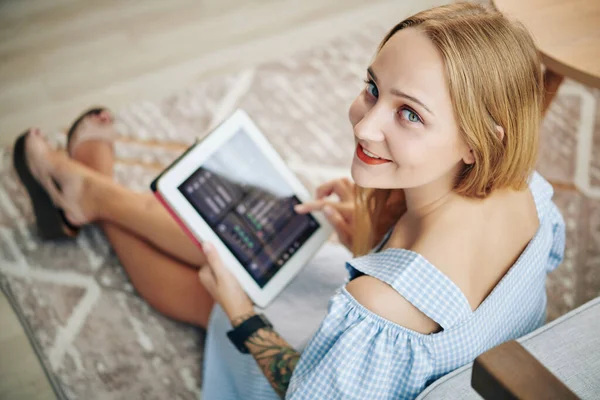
(569, 347)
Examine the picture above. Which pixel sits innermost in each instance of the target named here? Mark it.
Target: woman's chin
(374, 179)
(363, 178)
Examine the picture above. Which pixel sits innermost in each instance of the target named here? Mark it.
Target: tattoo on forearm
(275, 357)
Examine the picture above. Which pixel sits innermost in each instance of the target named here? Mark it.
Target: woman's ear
(469, 158)
(500, 132)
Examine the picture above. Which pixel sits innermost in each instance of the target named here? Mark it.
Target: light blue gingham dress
(356, 354)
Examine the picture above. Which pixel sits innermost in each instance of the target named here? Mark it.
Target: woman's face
(404, 116)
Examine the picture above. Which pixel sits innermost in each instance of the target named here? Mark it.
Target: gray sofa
(568, 347)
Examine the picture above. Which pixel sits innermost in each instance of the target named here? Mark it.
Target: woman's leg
(139, 213)
(167, 284)
(143, 215)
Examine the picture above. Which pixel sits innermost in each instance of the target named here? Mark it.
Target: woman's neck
(424, 200)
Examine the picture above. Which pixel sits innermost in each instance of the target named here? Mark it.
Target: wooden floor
(59, 57)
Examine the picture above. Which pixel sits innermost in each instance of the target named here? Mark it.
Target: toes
(97, 125)
(35, 132)
(105, 116)
(35, 145)
(102, 118)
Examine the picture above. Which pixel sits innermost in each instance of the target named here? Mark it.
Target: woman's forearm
(275, 357)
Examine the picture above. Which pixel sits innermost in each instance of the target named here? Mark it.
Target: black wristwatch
(243, 331)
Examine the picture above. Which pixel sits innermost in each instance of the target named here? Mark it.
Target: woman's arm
(275, 357)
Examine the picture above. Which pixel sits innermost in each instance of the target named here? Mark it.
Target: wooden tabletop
(567, 33)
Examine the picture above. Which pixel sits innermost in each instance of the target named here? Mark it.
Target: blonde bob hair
(494, 78)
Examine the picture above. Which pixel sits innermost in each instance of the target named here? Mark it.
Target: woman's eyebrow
(400, 93)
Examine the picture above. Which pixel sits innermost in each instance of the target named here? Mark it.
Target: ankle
(98, 194)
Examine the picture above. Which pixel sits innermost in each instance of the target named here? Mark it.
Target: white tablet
(234, 190)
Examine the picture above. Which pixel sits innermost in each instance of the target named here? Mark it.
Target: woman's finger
(336, 187)
(325, 189)
(339, 187)
(348, 184)
(340, 225)
(207, 279)
(311, 206)
(345, 208)
(214, 260)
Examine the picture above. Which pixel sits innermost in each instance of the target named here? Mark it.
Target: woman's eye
(409, 115)
(372, 89)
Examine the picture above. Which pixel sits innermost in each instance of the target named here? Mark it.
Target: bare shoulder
(475, 244)
(383, 300)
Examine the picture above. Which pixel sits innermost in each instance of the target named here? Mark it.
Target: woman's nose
(370, 127)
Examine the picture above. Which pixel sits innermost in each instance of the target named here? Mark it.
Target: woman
(452, 231)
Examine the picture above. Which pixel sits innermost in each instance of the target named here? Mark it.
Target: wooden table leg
(552, 81)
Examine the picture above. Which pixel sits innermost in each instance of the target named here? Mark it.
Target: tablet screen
(249, 205)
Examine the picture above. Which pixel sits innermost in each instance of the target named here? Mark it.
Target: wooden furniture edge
(508, 371)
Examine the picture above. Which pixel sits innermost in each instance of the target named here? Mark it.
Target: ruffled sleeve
(358, 355)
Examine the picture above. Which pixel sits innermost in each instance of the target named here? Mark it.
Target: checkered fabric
(356, 354)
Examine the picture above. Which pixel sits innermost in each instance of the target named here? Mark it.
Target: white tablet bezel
(168, 184)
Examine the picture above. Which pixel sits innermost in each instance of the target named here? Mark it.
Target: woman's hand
(223, 285)
(338, 213)
(275, 357)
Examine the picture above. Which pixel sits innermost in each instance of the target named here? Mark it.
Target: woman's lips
(369, 160)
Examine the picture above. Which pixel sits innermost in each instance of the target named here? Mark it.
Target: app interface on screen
(250, 206)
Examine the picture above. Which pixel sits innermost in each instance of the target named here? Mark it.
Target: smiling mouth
(369, 158)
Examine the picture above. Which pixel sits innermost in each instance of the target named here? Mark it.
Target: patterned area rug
(95, 334)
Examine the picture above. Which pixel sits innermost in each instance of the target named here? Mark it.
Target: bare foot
(91, 142)
(70, 185)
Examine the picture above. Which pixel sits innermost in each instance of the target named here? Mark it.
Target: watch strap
(243, 331)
